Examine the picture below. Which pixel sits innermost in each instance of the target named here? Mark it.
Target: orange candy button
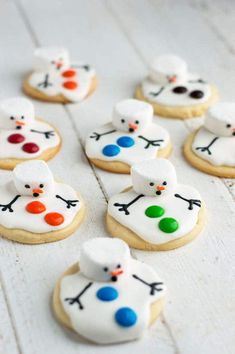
(69, 73)
(35, 207)
(54, 219)
(70, 85)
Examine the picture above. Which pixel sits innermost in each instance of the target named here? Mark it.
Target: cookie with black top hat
(173, 91)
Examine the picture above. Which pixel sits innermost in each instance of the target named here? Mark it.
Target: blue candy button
(126, 317)
(111, 150)
(125, 141)
(107, 293)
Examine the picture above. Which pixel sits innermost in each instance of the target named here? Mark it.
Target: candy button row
(167, 225)
(30, 148)
(113, 150)
(36, 207)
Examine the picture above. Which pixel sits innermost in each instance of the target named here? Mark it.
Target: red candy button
(30, 148)
(15, 138)
(70, 85)
(69, 73)
(54, 219)
(35, 207)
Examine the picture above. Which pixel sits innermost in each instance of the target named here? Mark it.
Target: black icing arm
(76, 299)
(207, 148)
(69, 203)
(150, 142)
(97, 136)
(5, 207)
(154, 287)
(155, 94)
(47, 134)
(191, 202)
(45, 83)
(85, 67)
(124, 207)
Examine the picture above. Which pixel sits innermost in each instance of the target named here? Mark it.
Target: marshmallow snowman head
(34, 178)
(104, 259)
(168, 69)
(51, 58)
(132, 115)
(220, 119)
(156, 178)
(16, 113)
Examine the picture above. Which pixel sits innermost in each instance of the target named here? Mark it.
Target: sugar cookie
(156, 213)
(173, 91)
(132, 137)
(211, 149)
(55, 79)
(108, 297)
(36, 209)
(22, 137)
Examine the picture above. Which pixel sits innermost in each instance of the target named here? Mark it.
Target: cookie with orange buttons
(34, 208)
(55, 78)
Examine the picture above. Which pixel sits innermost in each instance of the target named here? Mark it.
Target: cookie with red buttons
(34, 208)
(55, 79)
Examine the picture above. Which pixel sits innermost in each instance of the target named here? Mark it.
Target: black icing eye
(27, 186)
(164, 183)
(228, 126)
(123, 120)
(151, 184)
(197, 94)
(179, 89)
(41, 185)
(12, 118)
(106, 269)
(136, 122)
(22, 117)
(53, 62)
(119, 266)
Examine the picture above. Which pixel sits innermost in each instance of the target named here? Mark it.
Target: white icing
(147, 228)
(96, 321)
(131, 155)
(168, 68)
(222, 150)
(132, 114)
(150, 177)
(45, 64)
(168, 98)
(220, 119)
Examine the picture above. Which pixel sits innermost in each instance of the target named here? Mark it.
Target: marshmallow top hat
(220, 119)
(132, 115)
(155, 178)
(168, 68)
(33, 178)
(50, 58)
(15, 112)
(104, 259)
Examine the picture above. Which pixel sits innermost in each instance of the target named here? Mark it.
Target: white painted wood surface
(120, 37)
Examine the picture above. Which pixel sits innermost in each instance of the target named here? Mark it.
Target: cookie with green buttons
(156, 213)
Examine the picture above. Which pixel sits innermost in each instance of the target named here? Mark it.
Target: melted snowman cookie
(36, 209)
(22, 137)
(132, 137)
(157, 213)
(109, 297)
(211, 149)
(173, 91)
(56, 79)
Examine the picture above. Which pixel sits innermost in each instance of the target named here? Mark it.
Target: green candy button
(154, 211)
(168, 225)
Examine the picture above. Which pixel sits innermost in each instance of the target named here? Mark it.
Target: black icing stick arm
(149, 143)
(47, 134)
(124, 207)
(155, 94)
(45, 83)
(191, 202)
(76, 299)
(8, 207)
(85, 67)
(69, 203)
(154, 287)
(97, 136)
(207, 148)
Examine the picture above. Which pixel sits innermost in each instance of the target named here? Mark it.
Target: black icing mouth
(114, 278)
(233, 133)
(18, 127)
(36, 195)
(158, 192)
(131, 130)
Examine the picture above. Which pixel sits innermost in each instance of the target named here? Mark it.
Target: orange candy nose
(35, 207)
(70, 85)
(54, 219)
(69, 73)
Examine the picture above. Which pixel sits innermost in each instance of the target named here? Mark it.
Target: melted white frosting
(131, 155)
(168, 98)
(147, 228)
(21, 219)
(222, 150)
(96, 321)
(9, 150)
(83, 78)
